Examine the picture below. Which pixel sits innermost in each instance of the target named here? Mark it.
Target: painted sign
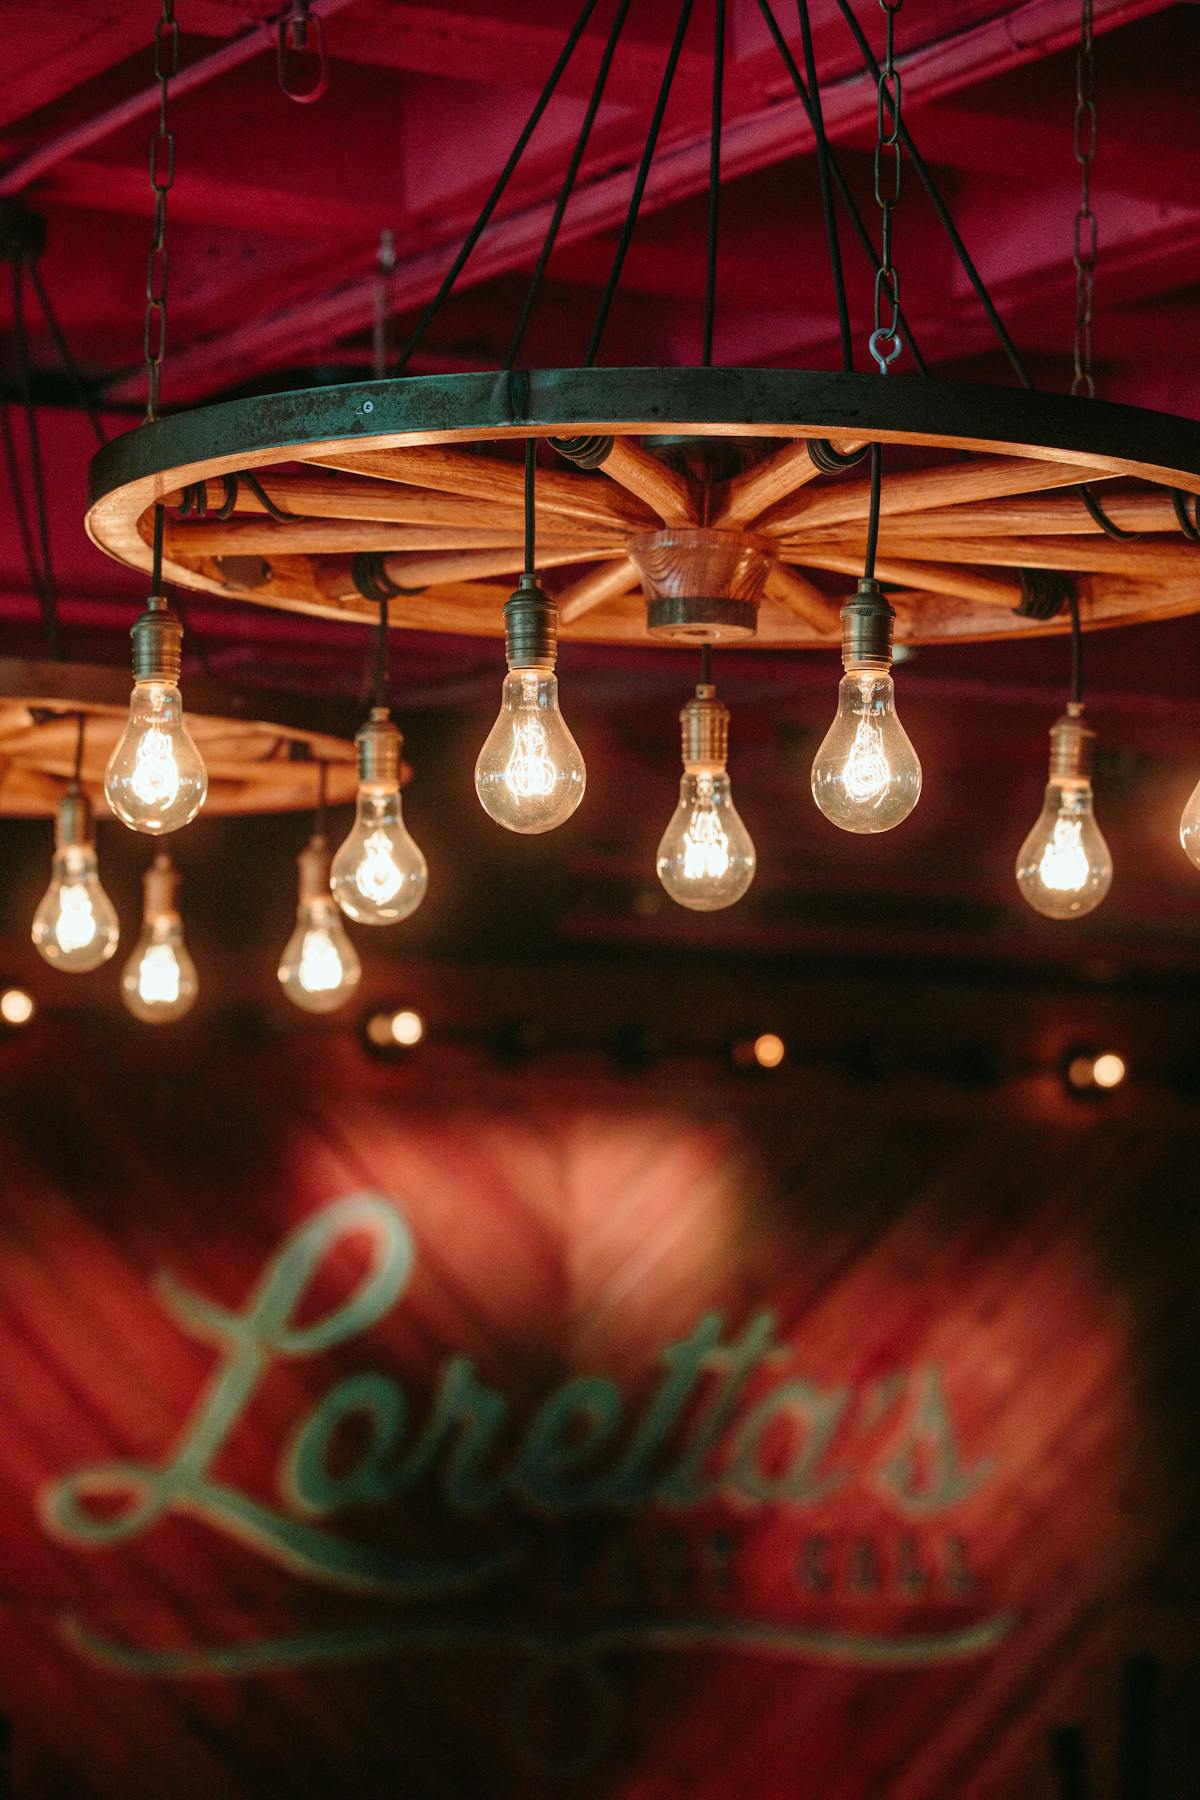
(730, 1429)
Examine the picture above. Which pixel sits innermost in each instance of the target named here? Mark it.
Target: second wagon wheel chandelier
(686, 505)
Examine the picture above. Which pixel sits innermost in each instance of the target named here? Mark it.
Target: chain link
(162, 174)
(1085, 239)
(885, 341)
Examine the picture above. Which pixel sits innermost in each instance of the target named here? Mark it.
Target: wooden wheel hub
(411, 488)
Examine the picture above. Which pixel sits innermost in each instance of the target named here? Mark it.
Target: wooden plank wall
(975, 1490)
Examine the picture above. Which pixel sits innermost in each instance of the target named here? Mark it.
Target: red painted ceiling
(274, 222)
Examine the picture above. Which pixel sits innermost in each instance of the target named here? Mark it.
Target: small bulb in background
(75, 927)
(1091, 1071)
(156, 780)
(866, 776)
(530, 774)
(705, 857)
(319, 969)
(766, 1051)
(17, 1007)
(379, 874)
(1189, 826)
(158, 983)
(1064, 868)
(402, 1029)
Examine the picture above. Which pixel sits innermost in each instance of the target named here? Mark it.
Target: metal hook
(876, 342)
(300, 34)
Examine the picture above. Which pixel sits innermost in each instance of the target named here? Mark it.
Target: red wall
(873, 1545)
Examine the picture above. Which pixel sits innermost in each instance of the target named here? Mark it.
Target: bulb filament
(867, 772)
(158, 976)
(377, 877)
(1064, 867)
(155, 778)
(530, 773)
(320, 963)
(705, 842)
(75, 927)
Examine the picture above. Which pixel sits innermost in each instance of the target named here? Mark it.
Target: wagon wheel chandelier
(701, 505)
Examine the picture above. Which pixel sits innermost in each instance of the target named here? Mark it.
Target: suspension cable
(83, 392)
(1015, 360)
(835, 170)
(162, 174)
(381, 656)
(714, 183)
(573, 167)
(832, 241)
(530, 506)
(639, 186)
(45, 588)
(493, 200)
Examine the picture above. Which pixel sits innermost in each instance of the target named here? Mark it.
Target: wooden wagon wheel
(260, 755)
(394, 471)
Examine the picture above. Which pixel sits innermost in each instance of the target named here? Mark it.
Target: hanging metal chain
(162, 174)
(1083, 381)
(885, 341)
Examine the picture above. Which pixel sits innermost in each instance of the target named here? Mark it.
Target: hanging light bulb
(379, 874)
(75, 927)
(1064, 868)
(866, 776)
(705, 858)
(319, 969)
(1189, 826)
(530, 774)
(156, 780)
(158, 983)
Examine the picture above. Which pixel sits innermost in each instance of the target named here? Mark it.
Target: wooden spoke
(1057, 514)
(330, 494)
(1080, 555)
(602, 583)
(565, 492)
(751, 493)
(650, 480)
(315, 537)
(804, 598)
(919, 490)
(470, 565)
(964, 584)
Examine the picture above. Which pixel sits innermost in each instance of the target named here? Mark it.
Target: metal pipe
(20, 175)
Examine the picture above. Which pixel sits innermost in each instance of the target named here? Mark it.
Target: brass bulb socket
(313, 864)
(75, 824)
(157, 643)
(705, 732)
(1072, 746)
(530, 627)
(160, 886)
(867, 622)
(379, 743)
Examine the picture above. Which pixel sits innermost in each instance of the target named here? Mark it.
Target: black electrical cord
(714, 183)
(1099, 517)
(639, 186)
(46, 590)
(943, 212)
(493, 200)
(1076, 648)
(839, 180)
(156, 549)
(322, 800)
(706, 665)
(81, 727)
(560, 205)
(381, 656)
(20, 510)
(833, 243)
(873, 513)
(530, 505)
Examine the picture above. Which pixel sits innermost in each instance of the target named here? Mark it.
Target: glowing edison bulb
(1189, 826)
(156, 780)
(530, 774)
(159, 983)
(705, 859)
(1064, 868)
(379, 874)
(319, 968)
(866, 776)
(75, 927)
